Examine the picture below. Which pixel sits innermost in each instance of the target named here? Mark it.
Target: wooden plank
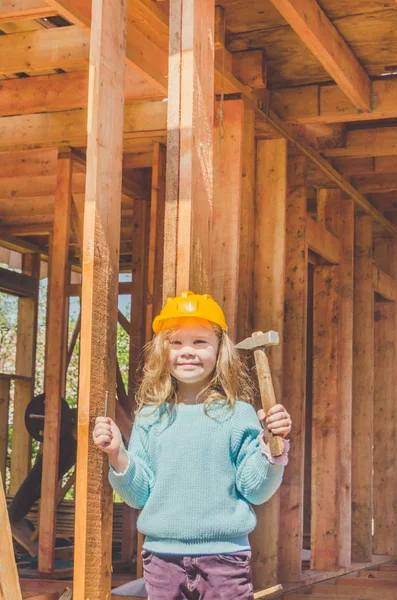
(9, 581)
(385, 401)
(55, 48)
(55, 356)
(364, 593)
(368, 582)
(328, 103)
(17, 284)
(294, 369)
(312, 25)
(4, 407)
(363, 389)
(325, 411)
(226, 217)
(269, 286)
(379, 575)
(68, 127)
(24, 9)
(93, 526)
(377, 141)
(385, 286)
(190, 147)
(25, 366)
(376, 183)
(337, 215)
(156, 238)
(322, 242)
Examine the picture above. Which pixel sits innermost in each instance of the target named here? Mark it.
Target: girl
(197, 458)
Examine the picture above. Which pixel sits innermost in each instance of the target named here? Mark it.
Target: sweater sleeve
(256, 479)
(136, 482)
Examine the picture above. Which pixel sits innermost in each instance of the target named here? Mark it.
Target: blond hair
(230, 379)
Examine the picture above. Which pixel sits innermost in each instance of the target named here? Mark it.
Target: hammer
(258, 342)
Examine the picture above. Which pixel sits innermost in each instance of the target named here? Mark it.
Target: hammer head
(258, 340)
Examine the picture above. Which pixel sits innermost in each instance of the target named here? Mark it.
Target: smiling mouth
(188, 365)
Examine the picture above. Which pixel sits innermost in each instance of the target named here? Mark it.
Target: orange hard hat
(188, 304)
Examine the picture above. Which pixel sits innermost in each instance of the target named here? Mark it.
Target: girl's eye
(175, 343)
(200, 342)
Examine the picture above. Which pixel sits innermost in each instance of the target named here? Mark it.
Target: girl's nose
(187, 351)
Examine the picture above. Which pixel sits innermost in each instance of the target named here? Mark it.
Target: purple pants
(205, 577)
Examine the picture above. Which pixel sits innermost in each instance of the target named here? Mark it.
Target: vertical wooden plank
(190, 146)
(325, 451)
(294, 370)
(363, 390)
(269, 286)
(4, 407)
(55, 361)
(245, 300)
(156, 238)
(226, 216)
(101, 240)
(385, 412)
(9, 580)
(337, 215)
(24, 365)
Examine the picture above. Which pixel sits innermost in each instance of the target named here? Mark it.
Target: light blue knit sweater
(195, 476)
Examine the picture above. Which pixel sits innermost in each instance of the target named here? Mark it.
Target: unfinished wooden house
(247, 149)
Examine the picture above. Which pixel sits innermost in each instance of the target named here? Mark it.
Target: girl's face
(193, 351)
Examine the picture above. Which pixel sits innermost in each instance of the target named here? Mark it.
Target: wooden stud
(269, 286)
(55, 357)
(25, 366)
(385, 401)
(363, 390)
(4, 407)
(294, 370)
(101, 238)
(189, 158)
(325, 455)
(9, 581)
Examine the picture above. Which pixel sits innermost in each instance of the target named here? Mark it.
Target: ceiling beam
(69, 128)
(143, 55)
(317, 32)
(24, 9)
(328, 104)
(376, 141)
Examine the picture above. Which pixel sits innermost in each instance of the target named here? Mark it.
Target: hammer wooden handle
(268, 398)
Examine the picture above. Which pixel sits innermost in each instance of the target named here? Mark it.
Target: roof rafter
(314, 28)
(25, 9)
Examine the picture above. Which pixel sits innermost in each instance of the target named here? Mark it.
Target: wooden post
(363, 390)
(385, 412)
(189, 147)
(101, 240)
(337, 215)
(294, 371)
(55, 362)
(269, 286)
(325, 455)
(9, 580)
(25, 365)
(4, 407)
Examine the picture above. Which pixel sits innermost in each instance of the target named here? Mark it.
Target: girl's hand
(107, 436)
(278, 420)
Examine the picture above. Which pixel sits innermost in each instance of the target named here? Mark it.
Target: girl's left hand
(278, 420)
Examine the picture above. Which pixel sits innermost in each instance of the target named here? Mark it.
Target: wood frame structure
(181, 142)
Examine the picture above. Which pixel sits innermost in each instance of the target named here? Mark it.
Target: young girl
(197, 458)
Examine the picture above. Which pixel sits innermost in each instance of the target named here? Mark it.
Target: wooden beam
(190, 147)
(4, 408)
(314, 28)
(74, 289)
(54, 48)
(141, 119)
(24, 9)
(322, 242)
(9, 580)
(92, 558)
(366, 165)
(385, 402)
(18, 284)
(377, 141)
(143, 55)
(376, 183)
(328, 103)
(325, 452)
(25, 366)
(363, 390)
(269, 286)
(384, 284)
(31, 187)
(337, 215)
(294, 370)
(55, 356)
